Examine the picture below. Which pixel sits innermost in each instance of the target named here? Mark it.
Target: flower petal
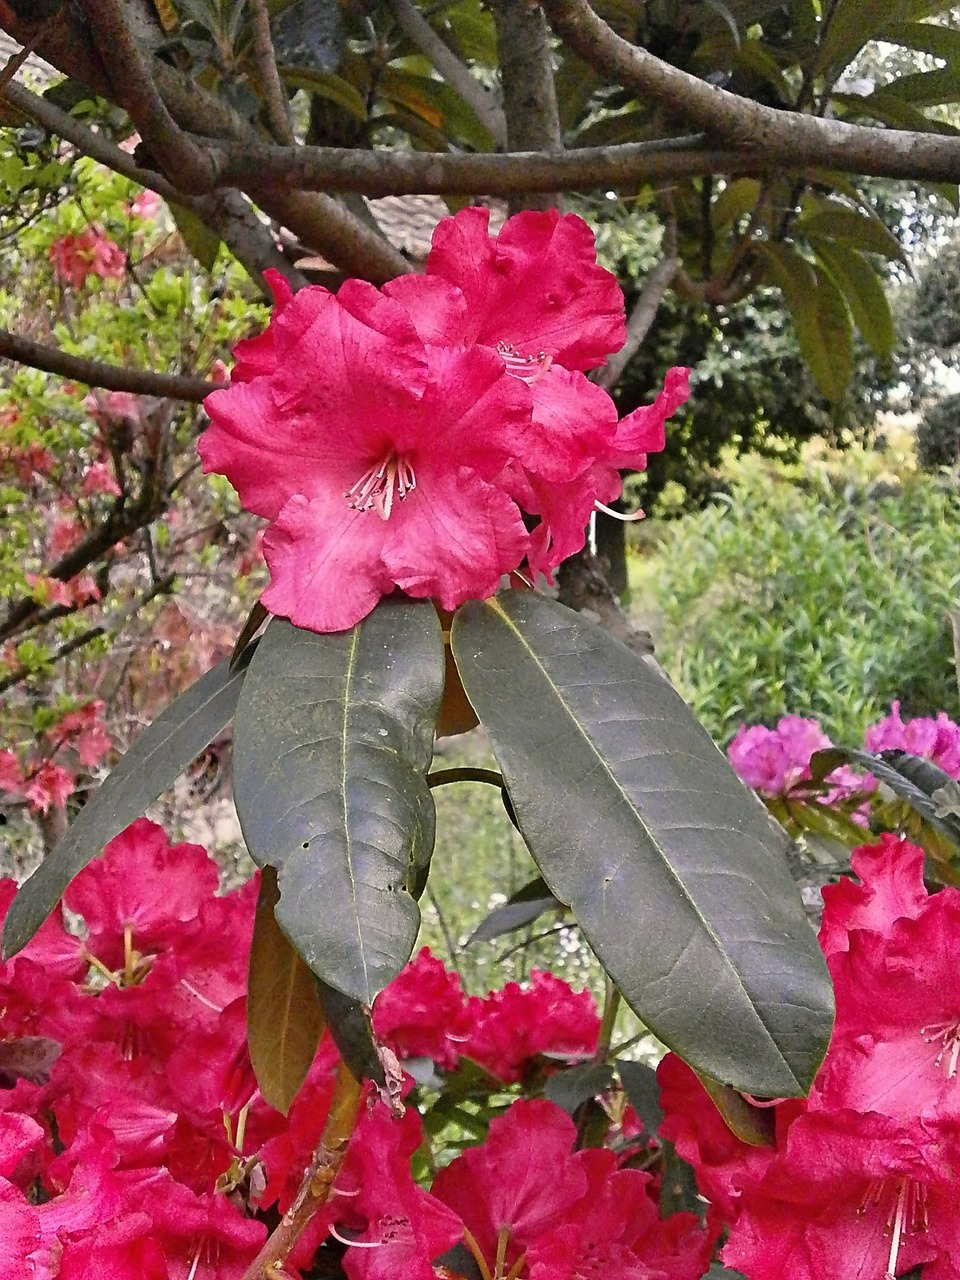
(326, 571)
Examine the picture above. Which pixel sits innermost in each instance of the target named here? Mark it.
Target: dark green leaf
(674, 871)
(831, 221)
(284, 1015)
(155, 760)
(678, 1184)
(569, 1089)
(523, 907)
(853, 23)
(351, 1030)
(643, 1093)
(333, 738)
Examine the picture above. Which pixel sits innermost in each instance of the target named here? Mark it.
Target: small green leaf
(673, 870)
(156, 759)
(573, 1087)
(866, 232)
(522, 908)
(820, 318)
(333, 739)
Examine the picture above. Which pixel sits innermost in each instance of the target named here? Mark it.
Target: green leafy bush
(811, 593)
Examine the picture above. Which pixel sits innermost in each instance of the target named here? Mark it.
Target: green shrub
(938, 435)
(806, 592)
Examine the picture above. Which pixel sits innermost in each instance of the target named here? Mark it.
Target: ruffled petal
(643, 431)
(454, 539)
(326, 571)
(537, 286)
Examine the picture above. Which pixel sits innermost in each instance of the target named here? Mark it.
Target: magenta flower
(937, 740)
(87, 253)
(423, 1013)
(392, 437)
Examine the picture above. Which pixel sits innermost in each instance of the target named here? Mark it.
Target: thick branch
(644, 312)
(93, 373)
(275, 100)
(130, 73)
(480, 101)
(529, 94)
(789, 139)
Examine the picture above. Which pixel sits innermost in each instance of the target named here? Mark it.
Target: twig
(317, 1181)
(444, 927)
(227, 212)
(16, 60)
(645, 310)
(179, 154)
(94, 373)
(275, 100)
(480, 101)
(162, 586)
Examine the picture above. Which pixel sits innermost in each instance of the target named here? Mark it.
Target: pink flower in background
(777, 761)
(392, 437)
(99, 478)
(106, 407)
(85, 732)
(934, 739)
(86, 253)
(146, 205)
(48, 786)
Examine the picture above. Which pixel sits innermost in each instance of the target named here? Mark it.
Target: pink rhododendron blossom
(775, 761)
(390, 1225)
(146, 205)
(141, 892)
(891, 888)
(48, 786)
(515, 1024)
(392, 437)
(87, 253)
(11, 773)
(423, 1013)
(106, 407)
(934, 739)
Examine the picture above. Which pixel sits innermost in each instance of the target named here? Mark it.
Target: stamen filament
(377, 488)
(625, 516)
(897, 1232)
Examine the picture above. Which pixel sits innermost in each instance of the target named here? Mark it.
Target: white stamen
(377, 488)
(625, 516)
(354, 1244)
(897, 1232)
(528, 368)
(949, 1035)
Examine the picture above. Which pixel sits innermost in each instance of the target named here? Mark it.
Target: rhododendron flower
(423, 1013)
(86, 253)
(85, 732)
(392, 437)
(937, 740)
(515, 1024)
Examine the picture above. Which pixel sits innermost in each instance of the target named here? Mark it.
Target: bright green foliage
(827, 597)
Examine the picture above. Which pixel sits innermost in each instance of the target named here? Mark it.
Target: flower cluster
(135, 1145)
(861, 1179)
(394, 438)
(47, 776)
(776, 762)
(87, 253)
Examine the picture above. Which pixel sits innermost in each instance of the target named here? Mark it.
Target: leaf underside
(284, 1014)
(332, 742)
(673, 869)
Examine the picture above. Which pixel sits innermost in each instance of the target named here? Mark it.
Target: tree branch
(226, 212)
(789, 139)
(480, 101)
(529, 94)
(93, 373)
(275, 100)
(644, 312)
(130, 75)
